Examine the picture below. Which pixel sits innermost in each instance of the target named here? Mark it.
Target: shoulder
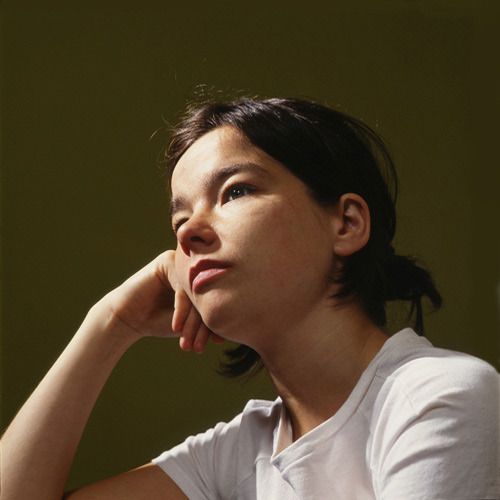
(435, 419)
(255, 419)
(215, 460)
(260, 411)
(258, 423)
(250, 429)
(443, 377)
(416, 371)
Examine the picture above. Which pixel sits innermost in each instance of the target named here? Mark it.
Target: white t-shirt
(421, 423)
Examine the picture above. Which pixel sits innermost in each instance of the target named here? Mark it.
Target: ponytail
(376, 275)
(406, 280)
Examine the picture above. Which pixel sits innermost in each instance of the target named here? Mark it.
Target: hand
(152, 303)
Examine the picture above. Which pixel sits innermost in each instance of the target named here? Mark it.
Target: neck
(316, 364)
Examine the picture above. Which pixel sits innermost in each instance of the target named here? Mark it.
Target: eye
(236, 191)
(176, 225)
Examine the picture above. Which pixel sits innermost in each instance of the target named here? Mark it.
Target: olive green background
(84, 86)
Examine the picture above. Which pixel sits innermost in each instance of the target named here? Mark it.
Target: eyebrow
(218, 177)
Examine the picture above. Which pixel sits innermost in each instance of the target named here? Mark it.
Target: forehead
(215, 150)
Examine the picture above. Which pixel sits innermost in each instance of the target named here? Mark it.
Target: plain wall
(84, 204)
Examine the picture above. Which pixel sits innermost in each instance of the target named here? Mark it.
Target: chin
(223, 315)
(215, 310)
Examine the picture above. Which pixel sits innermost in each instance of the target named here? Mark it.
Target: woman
(284, 226)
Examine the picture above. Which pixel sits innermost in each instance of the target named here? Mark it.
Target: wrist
(102, 320)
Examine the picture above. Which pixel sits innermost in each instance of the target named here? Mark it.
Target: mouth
(205, 271)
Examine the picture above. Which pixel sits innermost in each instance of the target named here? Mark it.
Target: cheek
(288, 241)
(309, 248)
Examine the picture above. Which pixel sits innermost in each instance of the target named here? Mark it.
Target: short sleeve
(204, 465)
(438, 436)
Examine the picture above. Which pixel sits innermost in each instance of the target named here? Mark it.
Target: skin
(281, 246)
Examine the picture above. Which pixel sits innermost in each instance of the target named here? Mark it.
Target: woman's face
(271, 242)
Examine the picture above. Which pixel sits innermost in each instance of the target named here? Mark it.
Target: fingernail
(184, 344)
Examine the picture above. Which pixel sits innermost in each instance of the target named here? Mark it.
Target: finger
(182, 307)
(189, 329)
(201, 339)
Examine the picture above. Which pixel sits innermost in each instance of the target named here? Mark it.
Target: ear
(351, 224)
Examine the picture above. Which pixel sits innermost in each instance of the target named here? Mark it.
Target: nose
(196, 235)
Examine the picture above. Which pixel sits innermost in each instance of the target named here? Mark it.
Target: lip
(204, 271)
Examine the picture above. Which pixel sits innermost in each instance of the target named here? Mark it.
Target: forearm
(39, 446)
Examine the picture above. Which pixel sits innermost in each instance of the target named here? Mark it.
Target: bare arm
(148, 482)
(38, 448)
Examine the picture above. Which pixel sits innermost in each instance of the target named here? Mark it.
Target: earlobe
(351, 224)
